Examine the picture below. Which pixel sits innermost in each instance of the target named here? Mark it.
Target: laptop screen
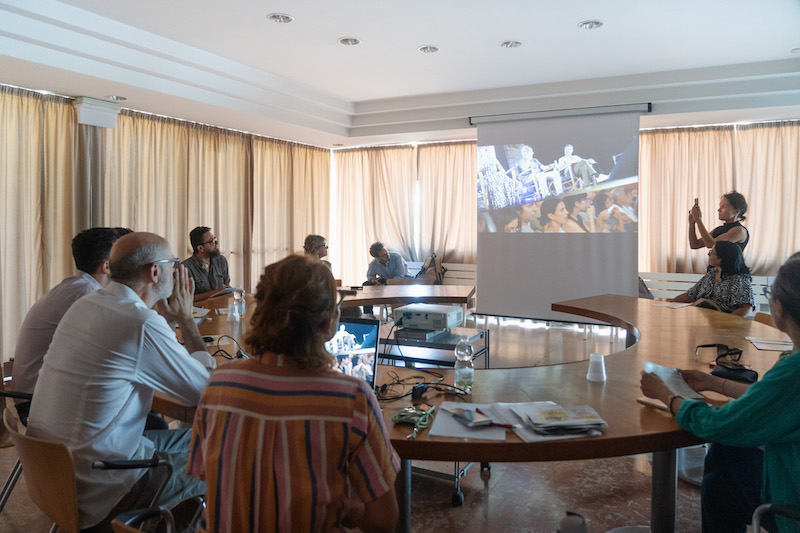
(355, 347)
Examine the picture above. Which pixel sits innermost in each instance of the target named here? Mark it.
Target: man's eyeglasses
(212, 241)
(161, 261)
(722, 351)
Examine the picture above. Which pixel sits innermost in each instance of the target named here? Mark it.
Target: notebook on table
(355, 347)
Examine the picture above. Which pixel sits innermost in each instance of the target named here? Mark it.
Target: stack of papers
(519, 418)
(771, 344)
(559, 420)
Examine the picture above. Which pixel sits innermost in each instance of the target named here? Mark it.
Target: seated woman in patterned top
(727, 285)
(285, 442)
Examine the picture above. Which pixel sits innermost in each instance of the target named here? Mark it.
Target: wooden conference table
(664, 336)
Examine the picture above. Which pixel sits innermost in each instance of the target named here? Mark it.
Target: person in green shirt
(762, 414)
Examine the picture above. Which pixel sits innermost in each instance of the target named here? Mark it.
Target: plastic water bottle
(465, 370)
(238, 301)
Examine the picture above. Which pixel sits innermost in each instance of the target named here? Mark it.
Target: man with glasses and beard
(110, 352)
(207, 266)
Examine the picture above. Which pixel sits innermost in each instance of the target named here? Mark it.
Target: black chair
(129, 521)
(789, 511)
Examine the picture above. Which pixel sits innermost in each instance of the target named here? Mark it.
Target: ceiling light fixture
(349, 41)
(511, 44)
(428, 49)
(280, 18)
(115, 98)
(590, 24)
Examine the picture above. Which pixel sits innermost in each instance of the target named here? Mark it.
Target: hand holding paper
(672, 379)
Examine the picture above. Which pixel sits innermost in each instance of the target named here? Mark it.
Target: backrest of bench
(669, 285)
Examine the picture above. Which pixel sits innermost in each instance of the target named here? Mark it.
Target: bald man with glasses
(207, 266)
(111, 351)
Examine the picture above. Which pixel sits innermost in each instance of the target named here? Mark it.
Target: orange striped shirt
(281, 449)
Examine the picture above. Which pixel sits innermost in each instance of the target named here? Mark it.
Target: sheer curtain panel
(449, 198)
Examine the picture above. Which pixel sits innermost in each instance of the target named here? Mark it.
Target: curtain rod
(646, 107)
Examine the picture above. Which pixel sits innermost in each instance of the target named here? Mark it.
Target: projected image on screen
(354, 350)
(568, 192)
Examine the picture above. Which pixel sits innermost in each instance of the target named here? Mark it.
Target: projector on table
(429, 316)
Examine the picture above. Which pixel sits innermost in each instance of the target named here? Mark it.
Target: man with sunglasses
(110, 352)
(207, 266)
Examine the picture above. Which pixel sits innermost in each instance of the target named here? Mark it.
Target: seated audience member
(605, 219)
(554, 215)
(507, 219)
(207, 266)
(727, 285)
(109, 353)
(762, 414)
(385, 265)
(317, 246)
(90, 249)
(528, 214)
(283, 441)
(732, 207)
(575, 205)
(624, 211)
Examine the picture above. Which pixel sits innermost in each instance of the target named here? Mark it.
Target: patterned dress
(730, 292)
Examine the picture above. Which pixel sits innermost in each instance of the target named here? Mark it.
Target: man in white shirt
(90, 249)
(109, 353)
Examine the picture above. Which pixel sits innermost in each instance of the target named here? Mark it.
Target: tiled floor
(530, 497)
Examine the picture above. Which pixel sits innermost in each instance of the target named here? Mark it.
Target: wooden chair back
(49, 474)
(764, 318)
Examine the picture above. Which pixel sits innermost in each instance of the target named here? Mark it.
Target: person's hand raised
(178, 306)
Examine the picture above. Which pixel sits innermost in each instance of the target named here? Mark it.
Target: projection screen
(557, 212)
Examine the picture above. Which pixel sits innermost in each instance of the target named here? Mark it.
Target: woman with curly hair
(284, 442)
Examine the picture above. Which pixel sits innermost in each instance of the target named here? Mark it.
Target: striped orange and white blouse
(282, 449)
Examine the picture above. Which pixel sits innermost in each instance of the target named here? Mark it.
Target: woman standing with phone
(732, 207)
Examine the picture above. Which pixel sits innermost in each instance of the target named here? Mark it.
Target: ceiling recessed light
(590, 24)
(428, 49)
(115, 98)
(511, 44)
(280, 18)
(349, 41)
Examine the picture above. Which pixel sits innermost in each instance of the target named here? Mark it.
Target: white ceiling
(223, 63)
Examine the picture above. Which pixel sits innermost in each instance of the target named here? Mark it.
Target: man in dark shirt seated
(207, 266)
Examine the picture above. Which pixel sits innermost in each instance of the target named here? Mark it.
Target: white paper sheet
(771, 344)
(672, 378)
(444, 425)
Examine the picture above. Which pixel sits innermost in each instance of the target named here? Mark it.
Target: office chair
(50, 474)
(789, 511)
(127, 522)
(764, 318)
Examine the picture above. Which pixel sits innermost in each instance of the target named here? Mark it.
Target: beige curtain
(291, 199)
(448, 201)
(375, 189)
(676, 166)
(144, 185)
(311, 193)
(767, 163)
(37, 183)
(217, 182)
